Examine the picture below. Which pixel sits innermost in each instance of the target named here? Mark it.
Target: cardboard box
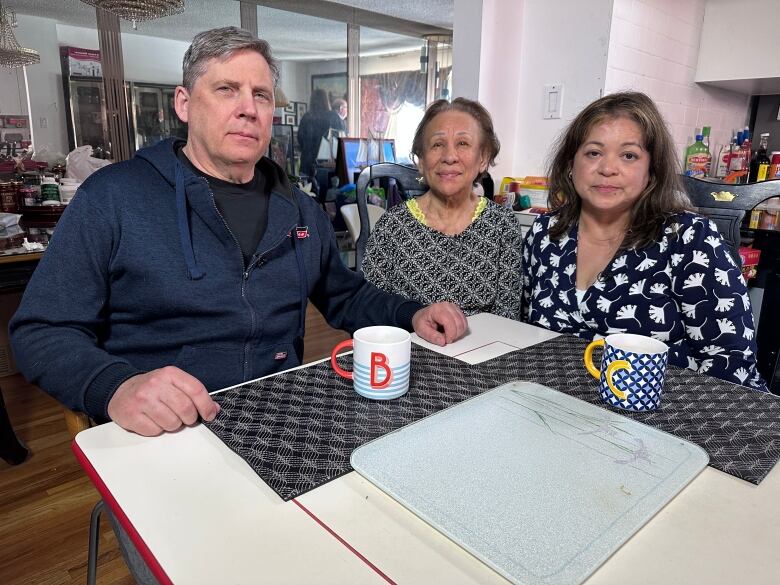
(750, 258)
(9, 302)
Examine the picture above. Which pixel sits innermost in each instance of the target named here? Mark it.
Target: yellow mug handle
(588, 357)
(611, 368)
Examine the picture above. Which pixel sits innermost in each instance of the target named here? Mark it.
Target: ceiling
(292, 36)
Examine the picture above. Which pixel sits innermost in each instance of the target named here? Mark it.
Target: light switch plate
(553, 101)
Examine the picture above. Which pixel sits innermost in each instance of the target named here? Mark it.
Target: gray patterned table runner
(297, 430)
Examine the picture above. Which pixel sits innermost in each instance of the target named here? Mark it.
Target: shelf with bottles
(735, 162)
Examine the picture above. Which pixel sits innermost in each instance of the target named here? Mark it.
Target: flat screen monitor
(357, 153)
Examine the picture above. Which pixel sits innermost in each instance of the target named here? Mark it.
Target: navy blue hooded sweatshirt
(143, 272)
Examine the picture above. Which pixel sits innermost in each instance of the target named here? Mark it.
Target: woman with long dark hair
(621, 250)
(313, 126)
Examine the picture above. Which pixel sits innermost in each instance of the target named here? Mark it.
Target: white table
(206, 517)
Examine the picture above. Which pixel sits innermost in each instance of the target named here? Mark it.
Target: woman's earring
(570, 175)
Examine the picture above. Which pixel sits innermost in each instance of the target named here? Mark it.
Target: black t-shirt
(244, 206)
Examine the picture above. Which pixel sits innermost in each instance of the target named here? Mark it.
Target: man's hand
(160, 400)
(440, 323)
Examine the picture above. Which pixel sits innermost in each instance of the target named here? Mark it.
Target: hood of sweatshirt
(162, 157)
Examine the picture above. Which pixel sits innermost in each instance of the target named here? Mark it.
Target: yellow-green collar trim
(417, 213)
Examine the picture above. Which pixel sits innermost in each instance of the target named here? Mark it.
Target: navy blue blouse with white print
(684, 290)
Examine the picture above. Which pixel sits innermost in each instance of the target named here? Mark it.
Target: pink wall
(654, 48)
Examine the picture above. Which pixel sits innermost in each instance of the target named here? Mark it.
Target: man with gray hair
(189, 267)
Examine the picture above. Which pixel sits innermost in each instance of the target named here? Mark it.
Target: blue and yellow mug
(632, 370)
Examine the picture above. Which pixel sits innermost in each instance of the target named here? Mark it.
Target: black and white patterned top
(684, 290)
(478, 269)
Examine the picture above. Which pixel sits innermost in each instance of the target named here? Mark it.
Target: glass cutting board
(540, 486)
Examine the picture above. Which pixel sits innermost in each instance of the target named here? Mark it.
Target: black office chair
(714, 201)
(409, 182)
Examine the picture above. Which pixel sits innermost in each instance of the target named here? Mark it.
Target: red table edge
(348, 546)
(108, 498)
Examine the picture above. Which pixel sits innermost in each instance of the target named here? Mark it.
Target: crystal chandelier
(12, 54)
(135, 10)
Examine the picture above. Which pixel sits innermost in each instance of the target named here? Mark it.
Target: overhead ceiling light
(12, 54)
(135, 10)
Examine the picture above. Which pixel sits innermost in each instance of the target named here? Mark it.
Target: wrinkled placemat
(298, 429)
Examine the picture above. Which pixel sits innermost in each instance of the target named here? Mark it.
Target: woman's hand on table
(161, 400)
(440, 323)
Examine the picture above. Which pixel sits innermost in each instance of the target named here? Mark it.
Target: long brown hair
(663, 196)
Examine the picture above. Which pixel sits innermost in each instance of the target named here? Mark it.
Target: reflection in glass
(392, 88)
(319, 64)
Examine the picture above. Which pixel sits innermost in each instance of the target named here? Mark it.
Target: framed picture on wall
(301, 108)
(334, 84)
(289, 108)
(289, 119)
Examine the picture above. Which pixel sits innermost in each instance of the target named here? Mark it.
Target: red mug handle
(341, 372)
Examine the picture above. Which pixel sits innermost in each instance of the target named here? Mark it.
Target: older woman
(621, 251)
(450, 244)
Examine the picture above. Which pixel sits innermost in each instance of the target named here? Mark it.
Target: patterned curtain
(383, 94)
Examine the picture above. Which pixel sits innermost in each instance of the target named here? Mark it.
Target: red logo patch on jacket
(302, 232)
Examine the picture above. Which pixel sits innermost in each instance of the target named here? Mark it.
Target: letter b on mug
(381, 361)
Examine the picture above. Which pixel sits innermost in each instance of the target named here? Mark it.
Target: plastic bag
(329, 147)
(81, 164)
(8, 220)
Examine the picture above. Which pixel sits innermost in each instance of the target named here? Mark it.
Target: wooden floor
(46, 501)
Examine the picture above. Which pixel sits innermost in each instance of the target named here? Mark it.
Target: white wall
(565, 44)
(294, 80)
(500, 86)
(13, 94)
(747, 24)
(45, 83)
(146, 59)
(467, 48)
(654, 48)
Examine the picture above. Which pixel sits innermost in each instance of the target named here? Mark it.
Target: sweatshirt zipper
(245, 272)
(256, 260)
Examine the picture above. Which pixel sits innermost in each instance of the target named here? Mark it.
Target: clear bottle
(724, 158)
(698, 159)
(738, 161)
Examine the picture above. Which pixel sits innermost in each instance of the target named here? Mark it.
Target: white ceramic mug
(381, 361)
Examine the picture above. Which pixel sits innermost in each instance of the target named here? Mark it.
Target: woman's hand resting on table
(440, 323)
(161, 400)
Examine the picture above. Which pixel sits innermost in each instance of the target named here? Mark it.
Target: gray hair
(222, 43)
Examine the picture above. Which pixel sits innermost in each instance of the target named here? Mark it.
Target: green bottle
(698, 159)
